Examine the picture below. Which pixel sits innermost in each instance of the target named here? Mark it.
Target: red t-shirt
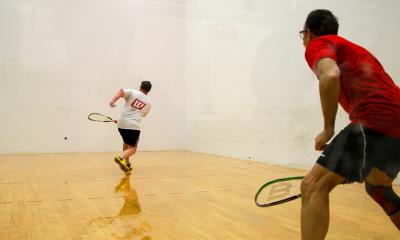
(367, 93)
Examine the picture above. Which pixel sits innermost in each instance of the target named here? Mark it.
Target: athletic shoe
(129, 166)
(122, 164)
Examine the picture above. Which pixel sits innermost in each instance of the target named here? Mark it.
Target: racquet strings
(278, 191)
(99, 117)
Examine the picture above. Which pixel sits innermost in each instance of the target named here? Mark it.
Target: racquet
(278, 191)
(98, 117)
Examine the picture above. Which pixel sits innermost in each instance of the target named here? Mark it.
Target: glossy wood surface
(169, 195)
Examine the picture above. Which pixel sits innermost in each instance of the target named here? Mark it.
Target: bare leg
(124, 147)
(379, 178)
(128, 152)
(396, 220)
(315, 189)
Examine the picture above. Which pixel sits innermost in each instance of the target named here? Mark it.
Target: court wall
(229, 76)
(250, 91)
(60, 60)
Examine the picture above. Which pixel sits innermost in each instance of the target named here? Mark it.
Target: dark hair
(146, 86)
(322, 22)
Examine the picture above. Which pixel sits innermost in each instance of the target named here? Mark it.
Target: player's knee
(305, 186)
(385, 197)
(309, 186)
(315, 186)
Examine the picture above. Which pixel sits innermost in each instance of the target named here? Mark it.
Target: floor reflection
(128, 224)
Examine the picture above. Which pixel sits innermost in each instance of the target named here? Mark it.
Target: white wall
(62, 59)
(229, 75)
(250, 91)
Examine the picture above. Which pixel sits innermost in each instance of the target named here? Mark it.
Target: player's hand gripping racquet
(98, 117)
(278, 191)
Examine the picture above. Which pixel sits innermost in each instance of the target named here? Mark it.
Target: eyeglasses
(301, 33)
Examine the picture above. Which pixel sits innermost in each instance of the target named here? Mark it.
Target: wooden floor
(169, 195)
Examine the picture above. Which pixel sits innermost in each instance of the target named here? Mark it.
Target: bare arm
(117, 96)
(329, 87)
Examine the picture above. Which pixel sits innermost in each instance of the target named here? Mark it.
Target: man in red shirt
(368, 149)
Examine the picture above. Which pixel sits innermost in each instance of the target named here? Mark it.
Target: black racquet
(278, 191)
(98, 117)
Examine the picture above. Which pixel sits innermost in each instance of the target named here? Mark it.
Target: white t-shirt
(137, 106)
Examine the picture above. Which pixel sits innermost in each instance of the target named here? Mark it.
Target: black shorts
(356, 149)
(129, 136)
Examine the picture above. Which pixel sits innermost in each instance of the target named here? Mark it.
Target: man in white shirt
(137, 106)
